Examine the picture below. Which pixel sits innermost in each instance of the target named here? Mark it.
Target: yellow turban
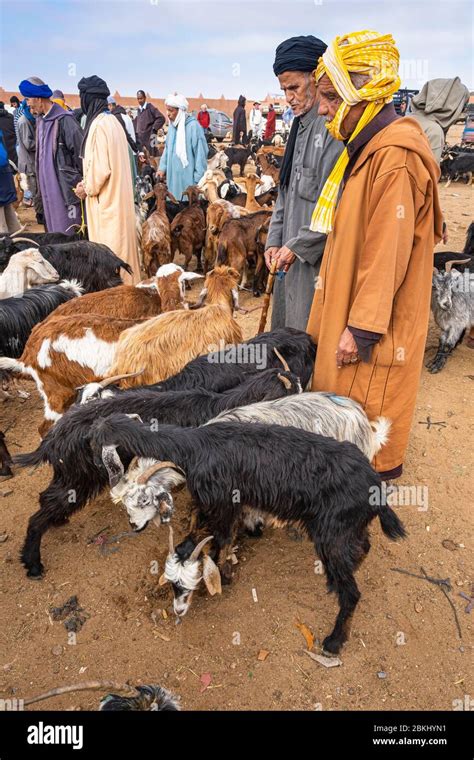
(370, 54)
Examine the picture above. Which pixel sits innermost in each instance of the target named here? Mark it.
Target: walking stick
(268, 293)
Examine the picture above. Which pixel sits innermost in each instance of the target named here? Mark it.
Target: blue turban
(298, 54)
(34, 88)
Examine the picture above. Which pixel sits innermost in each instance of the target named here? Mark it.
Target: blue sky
(221, 47)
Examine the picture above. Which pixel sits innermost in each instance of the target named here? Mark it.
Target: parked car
(468, 131)
(220, 123)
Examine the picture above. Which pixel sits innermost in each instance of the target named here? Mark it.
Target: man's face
(37, 105)
(171, 113)
(141, 99)
(300, 90)
(111, 106)
(329, 101)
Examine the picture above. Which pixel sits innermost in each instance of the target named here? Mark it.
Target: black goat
(220, 371)
(238, 156)
(458, 165)
(93, 265)
(13, 244)
(441, 258)
(326, 485)
(67, 445)
(5, 458)
(19, 315)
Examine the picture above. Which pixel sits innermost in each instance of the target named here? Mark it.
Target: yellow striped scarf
(366, 53)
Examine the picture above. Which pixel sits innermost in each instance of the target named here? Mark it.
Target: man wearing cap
(58, 161)
(255, 120)
(381, 212)
(184, 158)
(309, 157)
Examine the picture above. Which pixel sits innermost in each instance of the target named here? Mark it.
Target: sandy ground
(404, 651)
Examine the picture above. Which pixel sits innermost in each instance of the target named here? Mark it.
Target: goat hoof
(331, 646)
(256, 294)
(35, 573)
(256, 532)
(226, 573)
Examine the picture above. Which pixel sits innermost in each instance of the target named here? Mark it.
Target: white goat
(26, 269)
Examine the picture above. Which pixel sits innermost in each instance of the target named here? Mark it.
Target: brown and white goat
(66, 352)
(156, 233)
(162, 346)
(267, 166)
(188, 229)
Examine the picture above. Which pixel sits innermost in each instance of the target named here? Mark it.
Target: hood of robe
(440, 100)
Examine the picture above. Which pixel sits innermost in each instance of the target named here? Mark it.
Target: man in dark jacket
(7, 125)
(147, 122)
(239, 126)
(58, 161)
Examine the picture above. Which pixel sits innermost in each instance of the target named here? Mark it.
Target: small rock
(57, 650)
(381, 674)
(6, 492)
(3, 538)
(448, 544)
(262, 655)
(418, 607)
(327, 662)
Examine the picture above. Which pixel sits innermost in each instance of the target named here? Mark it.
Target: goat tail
(221, 253)
(32, 458)
(391, 524)
(13, 365)
(381, 429)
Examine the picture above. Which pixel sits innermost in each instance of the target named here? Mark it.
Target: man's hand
(80, 191)
(160, 175)
(269, 254)
(347, 352)
(285, 257)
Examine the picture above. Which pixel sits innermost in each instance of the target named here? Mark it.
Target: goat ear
(189, 276)
(163, 580)
(113, 464)
(171, 197)
(211, 575)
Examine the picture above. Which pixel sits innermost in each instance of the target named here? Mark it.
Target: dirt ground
(404, 651)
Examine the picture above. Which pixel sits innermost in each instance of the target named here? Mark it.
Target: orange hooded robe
(376, 275)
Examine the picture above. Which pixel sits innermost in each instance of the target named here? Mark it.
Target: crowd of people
(355, 222)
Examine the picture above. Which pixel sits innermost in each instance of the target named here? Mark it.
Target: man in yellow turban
(380, 207)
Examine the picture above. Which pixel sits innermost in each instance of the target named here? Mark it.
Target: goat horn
(146, 475)
(449, 264)
(115, 378)
(283, 361)
(18, 232)
(26, 240)
(198, 549)
(201, 299)
(171, 541)
(285, 380)
(113, 464)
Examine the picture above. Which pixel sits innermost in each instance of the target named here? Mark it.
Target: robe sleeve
(275, 231)
(26, 136)
(393, 204)
(97, 171)
(200, 150)
(164, 157)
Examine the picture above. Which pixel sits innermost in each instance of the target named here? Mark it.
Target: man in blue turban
(58, 161)
(309, 157)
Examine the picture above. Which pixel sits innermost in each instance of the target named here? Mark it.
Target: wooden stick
(267, 297)
(86, 685)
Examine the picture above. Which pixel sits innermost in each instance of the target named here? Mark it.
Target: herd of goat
(134, 402)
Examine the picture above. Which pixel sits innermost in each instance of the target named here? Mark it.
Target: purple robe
(56, 213)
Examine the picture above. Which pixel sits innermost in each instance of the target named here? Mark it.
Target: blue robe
(177, 177)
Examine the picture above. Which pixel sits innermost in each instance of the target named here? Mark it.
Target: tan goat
(164, 345)
(239, 242)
